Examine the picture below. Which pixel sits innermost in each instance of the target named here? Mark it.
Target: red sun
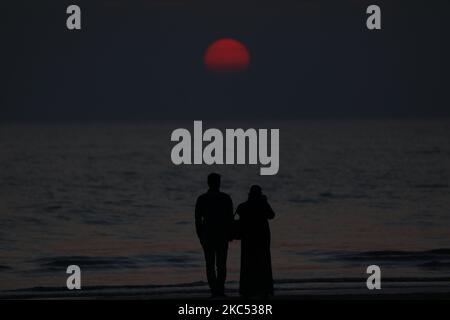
(227, 55)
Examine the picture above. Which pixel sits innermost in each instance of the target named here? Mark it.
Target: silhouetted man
(213, 220)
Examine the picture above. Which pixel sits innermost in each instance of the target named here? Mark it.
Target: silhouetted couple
(215, 226)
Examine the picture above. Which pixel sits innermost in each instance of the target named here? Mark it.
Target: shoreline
(288, 289)
(300, 297)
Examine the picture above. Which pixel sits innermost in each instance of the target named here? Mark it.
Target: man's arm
(230, 215)
(230, 209)
(199, 218)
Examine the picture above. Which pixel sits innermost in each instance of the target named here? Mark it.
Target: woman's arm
(270, 214)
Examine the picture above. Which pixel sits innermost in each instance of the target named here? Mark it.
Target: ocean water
(349, 193)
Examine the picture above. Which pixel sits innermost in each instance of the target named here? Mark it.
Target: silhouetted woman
(256, 265)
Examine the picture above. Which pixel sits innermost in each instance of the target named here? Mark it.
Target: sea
(349, 193)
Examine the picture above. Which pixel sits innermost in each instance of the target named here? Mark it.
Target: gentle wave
(433, 259)
(51, 264)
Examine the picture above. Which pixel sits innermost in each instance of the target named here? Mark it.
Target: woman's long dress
(256, 265)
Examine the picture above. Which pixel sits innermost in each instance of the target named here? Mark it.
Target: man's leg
(210, 258)
(222, 253)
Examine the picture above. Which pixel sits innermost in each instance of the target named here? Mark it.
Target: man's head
(255, 192)
(214, 181)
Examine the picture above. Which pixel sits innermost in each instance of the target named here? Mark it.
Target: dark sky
(144, 60)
